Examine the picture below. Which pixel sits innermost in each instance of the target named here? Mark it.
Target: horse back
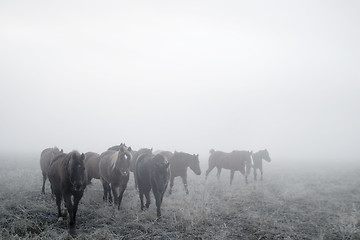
(233, 161)
(142, 171)
(178, 164)
(46, 156)
(56, 172)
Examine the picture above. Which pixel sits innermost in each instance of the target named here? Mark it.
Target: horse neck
(113, 160)
(258, 155)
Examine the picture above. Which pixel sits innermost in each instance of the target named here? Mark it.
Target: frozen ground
(294, 201)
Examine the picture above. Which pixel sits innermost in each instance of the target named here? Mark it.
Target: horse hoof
(72, 232)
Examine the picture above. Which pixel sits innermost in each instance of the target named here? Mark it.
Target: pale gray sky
(184, 75)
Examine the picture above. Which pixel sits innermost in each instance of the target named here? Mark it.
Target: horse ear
(129, 149)
(121, 149)
(151, 150)
(62, 150)
(82, 156)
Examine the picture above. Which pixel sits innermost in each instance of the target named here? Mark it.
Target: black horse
(152, 172)
(68, 179)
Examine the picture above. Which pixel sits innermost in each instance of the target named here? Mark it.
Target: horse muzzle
(78, 187)
(124, 173)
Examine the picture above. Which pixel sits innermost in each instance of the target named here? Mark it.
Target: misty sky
(182, 75)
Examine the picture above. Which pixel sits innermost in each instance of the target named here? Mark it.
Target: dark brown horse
(179, 163)
(46, 157)
(67, 176)
(235, 161)
(135, 155)
(114, 172)
(152, 172)
(92, 166)
(257, 160)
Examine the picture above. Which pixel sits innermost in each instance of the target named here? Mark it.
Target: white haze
(182, 75)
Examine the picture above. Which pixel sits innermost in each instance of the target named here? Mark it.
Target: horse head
(123, 161)
(266, 156)
(76, 171)
(194, 164)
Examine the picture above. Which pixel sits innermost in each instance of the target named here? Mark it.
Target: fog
(182, 75)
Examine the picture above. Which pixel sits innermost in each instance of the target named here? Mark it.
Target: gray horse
(179, 163)
(46, 157)
(235, 161)
(257, 160)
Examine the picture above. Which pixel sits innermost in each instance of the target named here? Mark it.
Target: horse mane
(113, 160)
(67, 158)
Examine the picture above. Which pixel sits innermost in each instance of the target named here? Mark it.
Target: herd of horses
(70, 173)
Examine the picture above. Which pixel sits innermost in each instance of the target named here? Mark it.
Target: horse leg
(231, 176)
(44, 180)
(184, 180)
(76, 204)
(208, 171)
(116, 192)
(261, 171)
(110, 196)
(121, 196)
(58, 203)
(147, 196)
(141, 196)
(105, 187)
(218, 173)
(255, 174)
(171, 184)
(157, 196)
(70, 209)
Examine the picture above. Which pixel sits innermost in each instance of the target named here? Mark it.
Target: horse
(46, 157)
(135, 155)
(235, 161)
(67, 176)
(257, 160)
(114, 172)
(152, 173)
(92, 160)
(179, 162)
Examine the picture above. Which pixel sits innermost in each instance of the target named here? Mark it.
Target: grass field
(294, 201)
